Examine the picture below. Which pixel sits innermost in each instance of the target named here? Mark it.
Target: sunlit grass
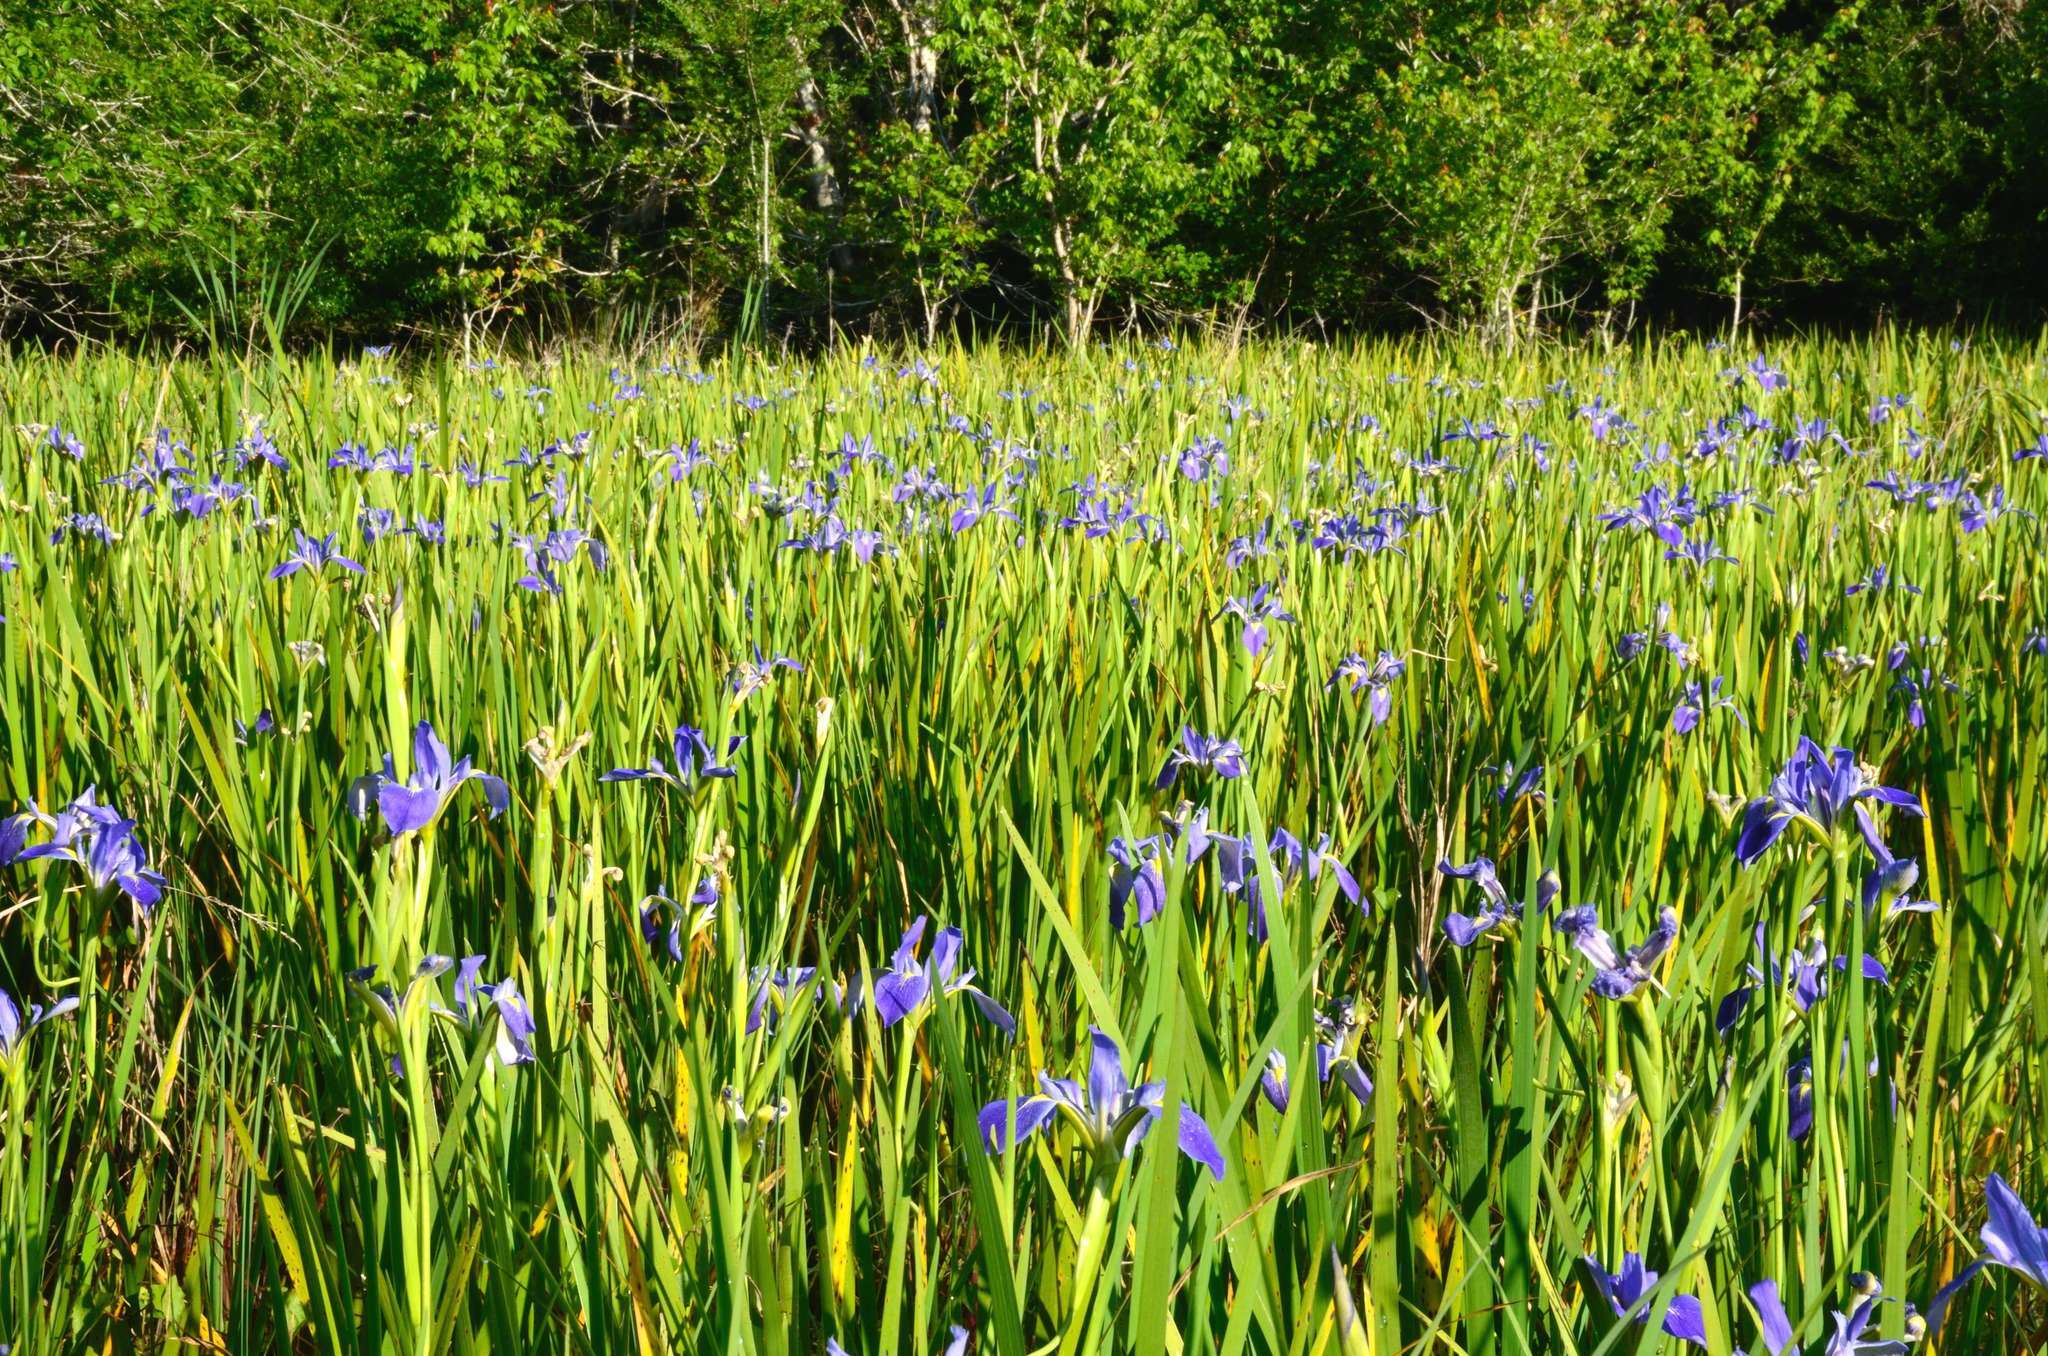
(213, 1150)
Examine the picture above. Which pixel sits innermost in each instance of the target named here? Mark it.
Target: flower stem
(1088, 1256)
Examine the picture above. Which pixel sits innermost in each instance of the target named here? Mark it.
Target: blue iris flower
(1110, 1114)
(909, 984)
(1626, 1288)
(411, 805)
(692, 757)
(1815, 789)
(1202, 753)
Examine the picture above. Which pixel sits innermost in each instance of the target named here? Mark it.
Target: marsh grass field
(1368, 780)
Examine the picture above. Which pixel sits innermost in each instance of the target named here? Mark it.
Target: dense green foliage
(903, 166)
(214, 1148)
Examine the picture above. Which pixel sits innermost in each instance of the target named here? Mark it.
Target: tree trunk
(921, 62)
(817, 150)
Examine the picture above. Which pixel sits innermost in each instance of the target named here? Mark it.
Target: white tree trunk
(817, 150)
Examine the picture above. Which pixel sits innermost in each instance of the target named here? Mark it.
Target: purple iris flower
(1767, 377)
(751, 676)
(1913, 690)
(1237, 869)
(908, 984)
(1111, 1115)
(1806, 973)
(1243, 550)
(1628, 1287)
(1336, 1057)
(201, 501)
(920, 483)
(1294, 859)
(14, 837)
(545, 555)
(1378, 676)
(1516, 785)
(1851, 1335)
(1699, 554)
(1134, 872)
(1878, 581)
(375, 523)
(1696, 701)
(1807, 436)
(1463, 930)
(476, 1002)
(1207, 457)
(1256, 610)
(116, 861)
(975, 507)
(14, 1030)
(315, 554)
(60, 441)
(1891, 877)
(693, 759)
(1658, 512)
(776, 990)
(1816, 788)
(828, 536)
(1975, 512)
(97, 839)
(2011, 1238)
(84, 525)
(654, 907)
(80, 819)
(1202, 753)
(409, 806)
(1616, 974)
(1603, 420)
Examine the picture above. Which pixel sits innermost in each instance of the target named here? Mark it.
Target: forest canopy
(907, 167)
